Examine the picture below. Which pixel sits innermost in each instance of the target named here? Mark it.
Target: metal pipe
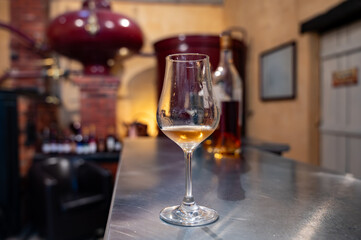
(29, 41)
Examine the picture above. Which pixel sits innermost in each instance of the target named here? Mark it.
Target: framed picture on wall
(278, 73)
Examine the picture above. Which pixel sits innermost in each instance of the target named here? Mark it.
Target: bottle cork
(226, 41)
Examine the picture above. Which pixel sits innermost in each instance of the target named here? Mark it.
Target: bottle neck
(226, 57)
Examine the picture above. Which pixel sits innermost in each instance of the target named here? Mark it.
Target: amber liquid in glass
(188, 137)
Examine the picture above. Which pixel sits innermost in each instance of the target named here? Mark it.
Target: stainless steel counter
(261, 196)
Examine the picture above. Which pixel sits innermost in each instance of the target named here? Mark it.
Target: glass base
(188, 215)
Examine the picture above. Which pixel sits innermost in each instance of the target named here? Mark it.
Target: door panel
(333, 100)
(333, 152)
(354, 156)
(341, 106)
(354, 95)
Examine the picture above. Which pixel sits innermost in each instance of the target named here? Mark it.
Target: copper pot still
(94, 35)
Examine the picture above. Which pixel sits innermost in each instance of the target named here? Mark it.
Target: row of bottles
(228, 90)
(78, 140)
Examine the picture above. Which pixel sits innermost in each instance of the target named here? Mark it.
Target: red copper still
(93, 35)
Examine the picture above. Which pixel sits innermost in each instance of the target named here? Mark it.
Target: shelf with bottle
(78, 140)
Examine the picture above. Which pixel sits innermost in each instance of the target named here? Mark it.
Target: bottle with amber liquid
(227, 85)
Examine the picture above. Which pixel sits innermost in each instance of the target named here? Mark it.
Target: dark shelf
(96, 157)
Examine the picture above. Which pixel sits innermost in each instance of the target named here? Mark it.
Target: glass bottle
(78, 138)
(227, 85)
(85, 141)
(45, 146)
(117, 144)
(61, 142)
(92, 140)
(54, 143)
(67, 142)
(101, 144)
(110, 140)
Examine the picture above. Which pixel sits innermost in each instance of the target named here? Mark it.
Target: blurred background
(78, 76)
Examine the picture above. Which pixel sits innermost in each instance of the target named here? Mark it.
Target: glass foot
(188, 216)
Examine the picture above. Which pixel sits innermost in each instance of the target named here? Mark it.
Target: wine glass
(187, 114)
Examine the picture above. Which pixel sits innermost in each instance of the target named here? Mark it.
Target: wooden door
(340, 128)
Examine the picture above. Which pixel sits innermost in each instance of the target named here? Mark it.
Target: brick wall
(98, 96)
(31, 17)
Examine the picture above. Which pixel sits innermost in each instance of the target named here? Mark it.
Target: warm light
(183, 47)
(124, 22)
(54, 72)
(52, 100)
(123, 51)
(109, 24)
(48, 61)
(79, 23)
(110, 62)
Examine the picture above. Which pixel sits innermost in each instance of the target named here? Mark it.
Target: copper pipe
(29, 41)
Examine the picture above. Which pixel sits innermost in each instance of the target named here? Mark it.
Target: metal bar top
(258, 196)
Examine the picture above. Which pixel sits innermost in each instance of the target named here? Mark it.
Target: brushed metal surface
(261, 196)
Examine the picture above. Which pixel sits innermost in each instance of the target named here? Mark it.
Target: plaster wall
(270, 24)
(4, 39)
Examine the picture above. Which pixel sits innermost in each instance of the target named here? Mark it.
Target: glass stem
(188, 198)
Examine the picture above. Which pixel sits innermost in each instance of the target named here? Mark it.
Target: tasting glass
(187, 114)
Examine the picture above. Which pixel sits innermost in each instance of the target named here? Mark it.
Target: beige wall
(4, 39)
(269, 24)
